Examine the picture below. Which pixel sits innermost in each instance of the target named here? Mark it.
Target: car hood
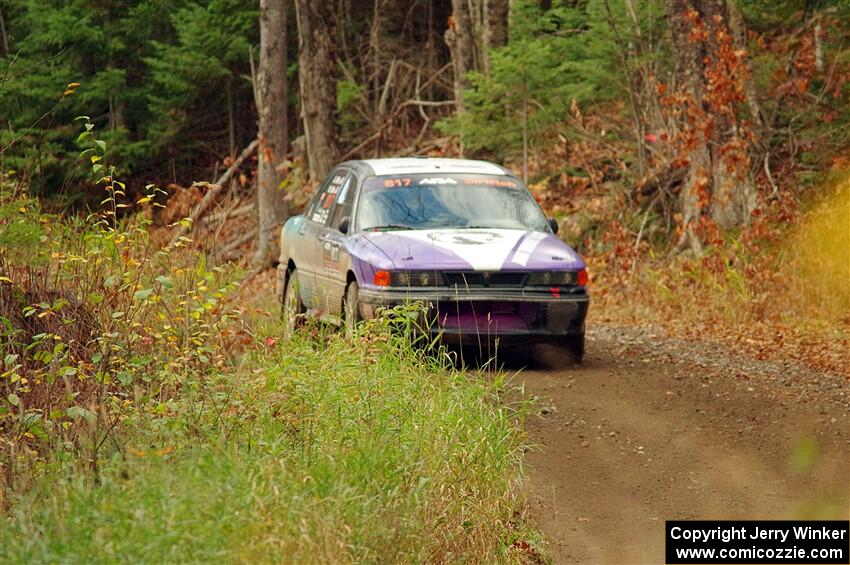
(475, 249)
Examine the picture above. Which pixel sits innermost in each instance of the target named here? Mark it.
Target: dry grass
(782, 297)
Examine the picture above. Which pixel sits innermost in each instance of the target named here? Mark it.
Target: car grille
(485, 279)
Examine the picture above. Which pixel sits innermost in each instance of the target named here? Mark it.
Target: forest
(695, 152)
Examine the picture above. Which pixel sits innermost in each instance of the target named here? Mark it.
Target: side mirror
(344, 225)
(553, 223)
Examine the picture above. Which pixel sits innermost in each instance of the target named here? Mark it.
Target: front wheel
(575, 346)
(351, 309)
(292, 310)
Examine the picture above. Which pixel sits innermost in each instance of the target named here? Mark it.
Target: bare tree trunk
(496, 22)
(690, 68)
(495, 33)
(714, 183)
(733, 199)
(461, 41)
(316, 74)
(524, 135)
(738, 27)
(818, 45)
(633, 74)
(4, 39)
(271, 93)
(733, 192)
(477, 28)
(231, 119)
(375, 54)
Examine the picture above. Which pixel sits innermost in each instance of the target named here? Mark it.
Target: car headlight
(553, 278)
(416, 278)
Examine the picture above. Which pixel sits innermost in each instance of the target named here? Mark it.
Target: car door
(331, 277)
(306, 256)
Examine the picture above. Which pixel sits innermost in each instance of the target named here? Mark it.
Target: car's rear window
(447, 200)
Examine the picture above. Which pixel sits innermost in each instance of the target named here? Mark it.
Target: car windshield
(447, 200)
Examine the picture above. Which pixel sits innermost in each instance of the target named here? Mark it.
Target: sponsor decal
(330, 252)
(437, 180)
(485, 181)
(320, 215)
(327, 199)
(392, 183)
(469, 237)
(400, 182)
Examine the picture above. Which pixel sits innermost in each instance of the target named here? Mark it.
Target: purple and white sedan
(465, 238)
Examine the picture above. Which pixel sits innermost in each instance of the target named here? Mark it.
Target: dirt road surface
(649, 429)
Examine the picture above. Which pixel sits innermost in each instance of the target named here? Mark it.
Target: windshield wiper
(498, 226)
(389, 227)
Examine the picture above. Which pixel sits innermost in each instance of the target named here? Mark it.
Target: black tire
(574, 345)
(292, 309)
(351, 309)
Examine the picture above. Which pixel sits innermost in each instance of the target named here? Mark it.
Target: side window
(322, 204)
(311, 207)
(344, 201)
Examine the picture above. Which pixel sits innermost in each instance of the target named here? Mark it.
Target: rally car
(464, 238)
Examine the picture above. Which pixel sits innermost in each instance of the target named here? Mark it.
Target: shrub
(303, 451)
(94, 322)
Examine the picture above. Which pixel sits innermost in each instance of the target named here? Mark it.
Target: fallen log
(659, 180)
(231, 250)
(215, 189)
(227, 214)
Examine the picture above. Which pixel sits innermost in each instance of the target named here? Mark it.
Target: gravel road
(651, 428)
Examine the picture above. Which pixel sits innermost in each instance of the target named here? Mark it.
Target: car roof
(413, 165)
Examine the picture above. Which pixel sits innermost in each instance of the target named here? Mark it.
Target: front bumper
(511, 317)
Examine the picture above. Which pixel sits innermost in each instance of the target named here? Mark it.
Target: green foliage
(22, 237)
(770, 15)
(196, 78)
(806, 105)
(348, 94)
(555, 57)
(154, 75)
(54, 44)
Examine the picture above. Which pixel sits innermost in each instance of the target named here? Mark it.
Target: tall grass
(817, 255)
(308, 453)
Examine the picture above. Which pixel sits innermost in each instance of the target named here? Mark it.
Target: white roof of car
(432, 165)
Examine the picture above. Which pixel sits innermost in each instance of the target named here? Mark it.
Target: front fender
(288, 239)
(365, 259)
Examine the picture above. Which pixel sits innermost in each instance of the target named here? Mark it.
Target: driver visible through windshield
(447, 200)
